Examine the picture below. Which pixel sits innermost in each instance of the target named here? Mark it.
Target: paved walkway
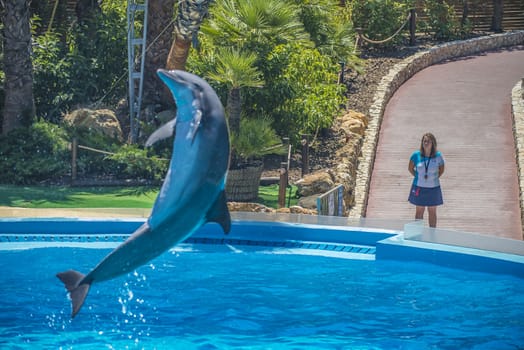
(466, 104)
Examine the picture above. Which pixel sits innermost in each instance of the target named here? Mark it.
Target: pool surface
(268, 285)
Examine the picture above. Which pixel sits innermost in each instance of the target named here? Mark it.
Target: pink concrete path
(466, 104)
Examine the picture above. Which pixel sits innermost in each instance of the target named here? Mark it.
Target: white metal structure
(136, 43)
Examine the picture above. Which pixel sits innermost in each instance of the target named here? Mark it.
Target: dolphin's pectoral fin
(195, 125)
(219, 213)
(165, 131)
(77, 293)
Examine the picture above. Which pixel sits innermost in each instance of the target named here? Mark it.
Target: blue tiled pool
(268, 284)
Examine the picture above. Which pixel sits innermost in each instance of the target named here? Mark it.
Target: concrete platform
(466, 104)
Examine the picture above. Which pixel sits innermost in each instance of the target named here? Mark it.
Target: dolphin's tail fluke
(77, 291)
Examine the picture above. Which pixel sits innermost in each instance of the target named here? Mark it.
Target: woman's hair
(433, 144)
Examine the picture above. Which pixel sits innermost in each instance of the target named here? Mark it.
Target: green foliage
(255, 25)
(52, 77)
(316, 97)
(330, 28)
(30, 155)
(298, 45)
(442, 21)
(236, 69)
(136, 163)
(379, 19)
(85, 66)
(255, 139)
(98, 55)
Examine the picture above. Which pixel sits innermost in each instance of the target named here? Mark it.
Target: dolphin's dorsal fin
(165, 131)
(219, 213)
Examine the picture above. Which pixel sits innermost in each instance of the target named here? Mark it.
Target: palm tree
(256, 25)
(160, 36)
(237, 70)
(160, 22)
(190, 16)
(19, 107)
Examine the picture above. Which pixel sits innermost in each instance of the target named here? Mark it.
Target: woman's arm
(440, 170)
(411, 167)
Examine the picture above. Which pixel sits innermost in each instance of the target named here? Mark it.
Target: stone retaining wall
(517, 104)
(399, 74)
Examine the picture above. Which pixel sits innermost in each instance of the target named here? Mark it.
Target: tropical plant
(248, 31)
(236, 70)
(330, 27)
(256, 139)
(254, 25)
(189, 17)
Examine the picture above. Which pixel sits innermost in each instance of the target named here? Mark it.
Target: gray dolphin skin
(192, 193)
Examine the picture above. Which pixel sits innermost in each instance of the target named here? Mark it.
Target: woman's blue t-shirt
(426, 169)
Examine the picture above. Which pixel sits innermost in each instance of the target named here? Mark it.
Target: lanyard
(426, 166)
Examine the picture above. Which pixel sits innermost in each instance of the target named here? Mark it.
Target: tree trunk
(498, 10)
(189, 18)
(19, 106)
(177, 57)
(86, 9)
(233, 110)
(465, 13)
(159, 34)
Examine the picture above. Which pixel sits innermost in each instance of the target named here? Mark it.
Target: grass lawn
(100, 197)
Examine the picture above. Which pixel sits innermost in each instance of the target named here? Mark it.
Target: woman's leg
(432, 211)
(419, 213)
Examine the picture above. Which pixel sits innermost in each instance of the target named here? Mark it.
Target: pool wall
(388, 244)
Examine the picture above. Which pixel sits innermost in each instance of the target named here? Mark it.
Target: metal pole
(412, 27)
(305, 154)
(341, 74)
(282, 185)
(74, 148)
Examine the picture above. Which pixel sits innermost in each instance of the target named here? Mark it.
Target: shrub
(136, 163)
(379, 19)
(30, 155)
(442, 20)
(314, 97)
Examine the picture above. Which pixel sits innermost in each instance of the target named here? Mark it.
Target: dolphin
(192, 193)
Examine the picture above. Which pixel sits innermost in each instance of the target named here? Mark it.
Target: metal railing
(331, 203)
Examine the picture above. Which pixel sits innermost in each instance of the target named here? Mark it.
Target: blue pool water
(203, 296)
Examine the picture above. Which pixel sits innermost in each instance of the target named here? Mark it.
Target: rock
(315, 183)
(309, 202)
(353, 123)
(249, 207)
(343, 170)
(103, 121)
(295, 209)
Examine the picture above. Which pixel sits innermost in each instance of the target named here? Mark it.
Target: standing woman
(426, 165)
